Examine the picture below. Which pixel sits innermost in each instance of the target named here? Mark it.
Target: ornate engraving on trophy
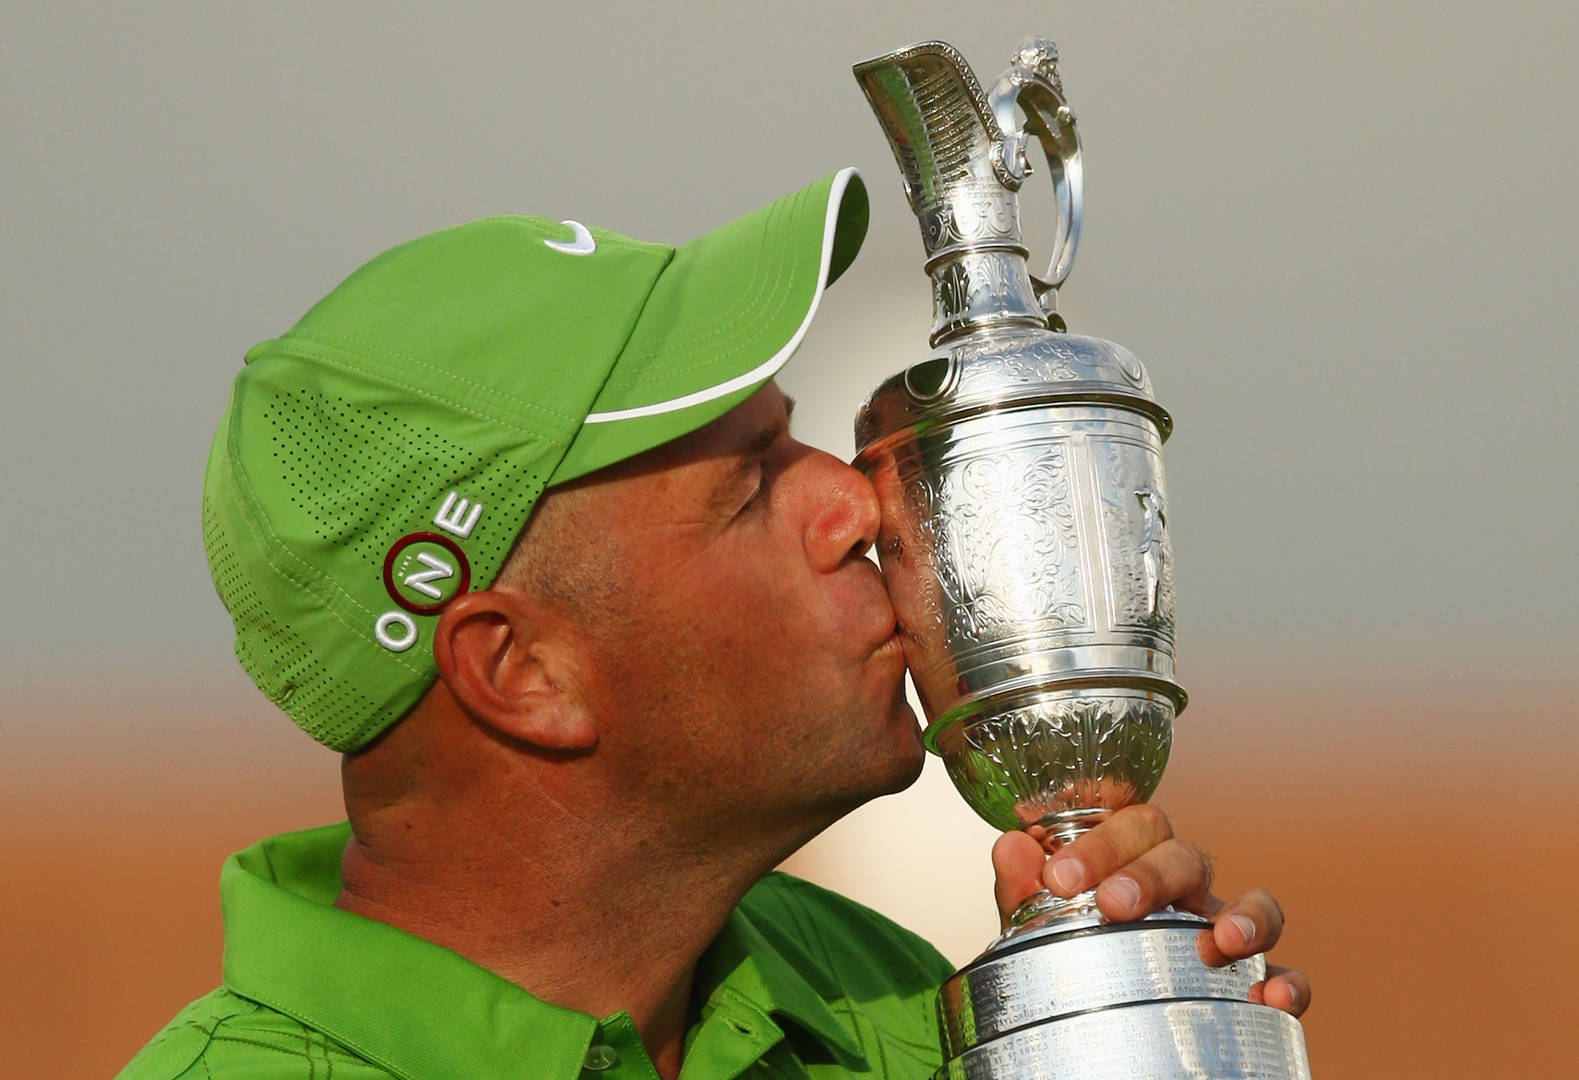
(979, 284)
(1049, 362)
(952, 145)
(988, 550)
(916, 543)
(1024, 766)
(1006, 526)
(1028, 357)
(1132, 368)
(1040, 56)
(1153, 555)
(1135, 532)
(977, 213)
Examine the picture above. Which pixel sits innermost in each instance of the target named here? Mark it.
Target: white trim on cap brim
(768, 368)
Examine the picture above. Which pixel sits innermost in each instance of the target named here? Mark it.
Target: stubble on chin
(905, 754)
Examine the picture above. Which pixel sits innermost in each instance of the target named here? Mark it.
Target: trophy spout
(940, 125)
(961, 172)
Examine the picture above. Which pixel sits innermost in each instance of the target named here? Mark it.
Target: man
(574, 751)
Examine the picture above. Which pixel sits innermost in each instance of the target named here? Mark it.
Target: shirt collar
(743, 962)
(416, 1009)
(422, 1011)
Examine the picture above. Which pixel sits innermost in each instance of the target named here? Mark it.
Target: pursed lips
(890, 632)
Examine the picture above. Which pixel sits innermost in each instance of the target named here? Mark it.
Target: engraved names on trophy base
(1172, 1040)
(1082, 971)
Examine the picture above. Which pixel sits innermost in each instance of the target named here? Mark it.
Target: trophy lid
(1007, 368)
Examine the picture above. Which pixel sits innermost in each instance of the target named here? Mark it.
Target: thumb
(1017, 862)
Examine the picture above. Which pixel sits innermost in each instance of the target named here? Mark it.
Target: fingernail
(1125, 891)
(1068, 874)
(1293, 997)
(1245, 926)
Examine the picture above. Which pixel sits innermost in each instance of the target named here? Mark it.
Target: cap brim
(724, 316)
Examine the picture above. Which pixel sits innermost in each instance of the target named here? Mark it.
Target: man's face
(742, 660)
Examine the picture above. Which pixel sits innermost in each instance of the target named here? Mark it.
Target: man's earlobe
(499, 664)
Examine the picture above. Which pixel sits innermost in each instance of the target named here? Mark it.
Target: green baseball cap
(381, 457)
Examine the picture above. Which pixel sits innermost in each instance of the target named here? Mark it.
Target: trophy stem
(1064, 827)
(1045, 908)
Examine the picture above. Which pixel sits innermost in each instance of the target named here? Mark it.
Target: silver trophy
(1025, 545)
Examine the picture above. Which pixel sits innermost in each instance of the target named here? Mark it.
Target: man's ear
(497, 661)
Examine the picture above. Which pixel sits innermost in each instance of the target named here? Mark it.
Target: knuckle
(1149, 879)
(1208, 869)
(1153, 820)
(1101, 850)
(1194, 876)
(1191, 868)
(1266, 902)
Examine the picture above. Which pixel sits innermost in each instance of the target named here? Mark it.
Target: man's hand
(1137, 866)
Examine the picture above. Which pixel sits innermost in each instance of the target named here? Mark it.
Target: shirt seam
(202, 1053)
(349, 1044)
(808, 930)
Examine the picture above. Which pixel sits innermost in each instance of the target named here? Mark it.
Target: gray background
(1341, 236)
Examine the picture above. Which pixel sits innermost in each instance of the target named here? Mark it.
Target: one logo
(583, 244)
(424, 571)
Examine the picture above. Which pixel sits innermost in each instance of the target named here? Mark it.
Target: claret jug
(1025, 546)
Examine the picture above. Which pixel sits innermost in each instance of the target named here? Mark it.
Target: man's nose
(847, 515)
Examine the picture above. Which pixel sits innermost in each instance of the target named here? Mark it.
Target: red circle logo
(413, 568)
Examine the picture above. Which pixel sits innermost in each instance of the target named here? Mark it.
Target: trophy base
(1080, 999)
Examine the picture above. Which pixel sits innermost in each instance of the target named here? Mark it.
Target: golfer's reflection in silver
(1025, 546)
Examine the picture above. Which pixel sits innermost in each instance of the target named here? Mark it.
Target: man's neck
(572, 915)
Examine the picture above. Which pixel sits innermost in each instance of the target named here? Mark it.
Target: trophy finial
(1039, 55)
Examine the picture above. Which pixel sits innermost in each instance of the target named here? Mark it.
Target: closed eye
(759, 497)
(753, 465)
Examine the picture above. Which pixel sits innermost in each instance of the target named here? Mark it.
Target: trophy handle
(1032, 84)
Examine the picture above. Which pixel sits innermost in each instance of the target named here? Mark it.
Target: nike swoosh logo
(583, 244)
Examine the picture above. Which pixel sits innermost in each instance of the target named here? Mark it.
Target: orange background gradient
(1427, 892)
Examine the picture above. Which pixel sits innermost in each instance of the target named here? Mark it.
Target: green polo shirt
(799, 983)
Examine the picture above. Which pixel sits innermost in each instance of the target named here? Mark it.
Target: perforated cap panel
(351, 469)
(279, 661)
(335, 472)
